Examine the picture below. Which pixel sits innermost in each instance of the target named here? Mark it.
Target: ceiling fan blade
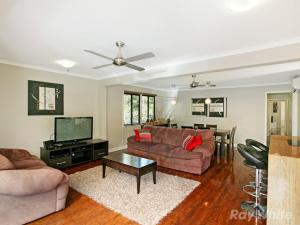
(98, 67)
(209, 84)
(134, 67)
(140, 57)
(97, 54)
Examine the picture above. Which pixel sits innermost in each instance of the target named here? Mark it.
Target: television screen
(73, 128)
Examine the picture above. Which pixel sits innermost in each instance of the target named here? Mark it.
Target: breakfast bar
(284, 181)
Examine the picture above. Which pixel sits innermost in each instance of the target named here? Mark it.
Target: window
(138, 108)
(131, 109)
(127, 109)
(148, 108)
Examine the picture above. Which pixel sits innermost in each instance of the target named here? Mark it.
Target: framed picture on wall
(199, 107)
(275, 107)
(45, 98)
(218, 107)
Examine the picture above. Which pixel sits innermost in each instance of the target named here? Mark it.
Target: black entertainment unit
(66, 155)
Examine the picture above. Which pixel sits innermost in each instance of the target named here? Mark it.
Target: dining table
(222, 133)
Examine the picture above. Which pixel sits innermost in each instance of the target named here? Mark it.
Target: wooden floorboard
(211, 203)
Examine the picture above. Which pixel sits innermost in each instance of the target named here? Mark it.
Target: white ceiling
(36, 33)
(182, 82)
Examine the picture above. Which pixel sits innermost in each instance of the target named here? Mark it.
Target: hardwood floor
(215, 202)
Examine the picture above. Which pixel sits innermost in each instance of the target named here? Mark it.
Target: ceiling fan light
(119, 62)
(66, 63)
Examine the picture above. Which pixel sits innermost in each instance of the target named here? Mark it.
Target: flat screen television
(73, 129)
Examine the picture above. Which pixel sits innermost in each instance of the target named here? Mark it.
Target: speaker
(49, 144)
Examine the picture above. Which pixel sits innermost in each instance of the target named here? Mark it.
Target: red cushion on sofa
(187, 141)
(143, 135)
(137, 135)
(197, 141)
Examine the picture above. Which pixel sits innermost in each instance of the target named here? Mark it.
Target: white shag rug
(118, 192)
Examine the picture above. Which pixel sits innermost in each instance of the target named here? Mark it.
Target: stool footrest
(259, 211)
(252, 193)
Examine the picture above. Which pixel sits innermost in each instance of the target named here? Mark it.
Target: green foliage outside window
(138, 108)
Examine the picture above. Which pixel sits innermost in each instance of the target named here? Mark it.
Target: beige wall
(117, 133)
(101, 110)
(84, 97)
(245, 106)
(17, 129)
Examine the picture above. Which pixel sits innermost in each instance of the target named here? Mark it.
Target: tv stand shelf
(66, 156)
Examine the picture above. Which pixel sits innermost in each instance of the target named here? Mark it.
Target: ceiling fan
(195, 84)
(120, 61)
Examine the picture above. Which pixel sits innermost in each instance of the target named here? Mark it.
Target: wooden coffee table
(134, 165)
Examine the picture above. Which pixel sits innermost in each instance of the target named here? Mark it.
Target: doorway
(279, 115)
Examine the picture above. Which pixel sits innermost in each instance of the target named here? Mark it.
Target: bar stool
(263, 173)
(259, 161)
(252, 166)
(256, 144)
(259, 146)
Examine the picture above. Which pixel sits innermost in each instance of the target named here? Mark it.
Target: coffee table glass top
(130, 160)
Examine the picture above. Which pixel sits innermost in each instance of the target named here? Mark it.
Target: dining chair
(174, 125)
(209, 126)
(230, 140)
(199, 126)
(186, 127)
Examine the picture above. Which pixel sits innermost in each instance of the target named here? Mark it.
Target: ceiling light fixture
(242, 5)
(173, 102)
(66, 63)
(207, 101)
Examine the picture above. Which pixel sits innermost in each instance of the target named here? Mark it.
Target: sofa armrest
(131, 139)
(207, 148)
(29, 182)
(13, 154)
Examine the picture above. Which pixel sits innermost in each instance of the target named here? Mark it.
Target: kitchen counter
(283, 182)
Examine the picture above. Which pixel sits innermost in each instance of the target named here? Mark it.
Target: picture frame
(45, 98)
(275, 107)
(199, 107)
(218, 107)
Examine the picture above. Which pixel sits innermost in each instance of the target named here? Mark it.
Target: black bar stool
(259, 146)
(258, 160)
(256, 144)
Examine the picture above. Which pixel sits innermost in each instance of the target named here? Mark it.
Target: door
(278, 118)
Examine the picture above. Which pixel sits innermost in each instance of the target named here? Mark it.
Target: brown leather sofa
(28, 188)
(166, 149)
